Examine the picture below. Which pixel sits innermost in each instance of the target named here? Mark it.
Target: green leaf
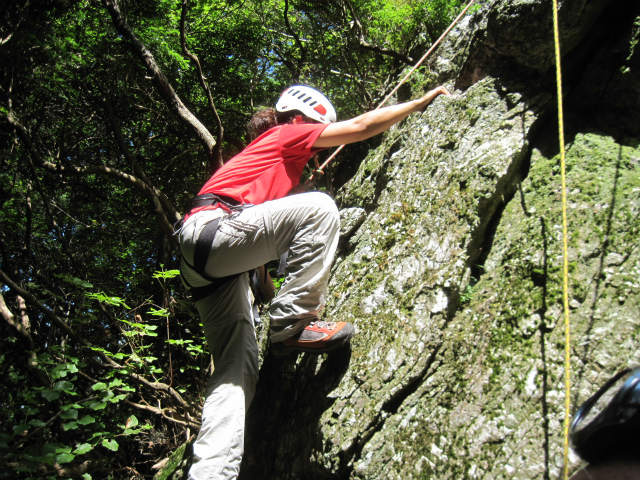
(59, 371)
(69, 426)
(110, 444)
(132, 422)
(97, 405)
(55, 448)
(86, 420)
(109, 300)
(70, 414)
(65, 458)
(83, 448)
(115, 383)
(140, 328)
(64, 386)
(118, 398)
(78, 282)
(50, 395)
(166, 273)
(158, 312)
(97, 387)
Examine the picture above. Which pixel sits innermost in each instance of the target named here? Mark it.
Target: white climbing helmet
(309, 101)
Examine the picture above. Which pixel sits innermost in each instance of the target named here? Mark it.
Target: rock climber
(244, 217)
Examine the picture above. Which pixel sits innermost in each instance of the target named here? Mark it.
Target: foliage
(102, 352)
(81, 408)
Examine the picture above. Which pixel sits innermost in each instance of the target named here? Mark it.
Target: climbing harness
(201, 253)
(259, 278)
(320, 170)
(606, 426)
(565, 256)
(203, 246)
(211, 199)
(208, 233)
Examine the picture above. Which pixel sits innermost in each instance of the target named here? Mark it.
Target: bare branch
(5, 39)
(24, 136)
(151, 192)
(22, 326)
(26, 246)
(215, 160)
(32, 300)
(24, 329)
(165, 88)
(158, 386)
(163, 412)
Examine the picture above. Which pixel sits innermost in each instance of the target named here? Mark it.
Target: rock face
(450, 266)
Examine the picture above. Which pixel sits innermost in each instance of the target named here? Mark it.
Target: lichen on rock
(450, 269)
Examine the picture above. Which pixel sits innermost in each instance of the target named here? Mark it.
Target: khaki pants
(307, 226)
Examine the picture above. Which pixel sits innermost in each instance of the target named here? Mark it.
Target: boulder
(451, 266)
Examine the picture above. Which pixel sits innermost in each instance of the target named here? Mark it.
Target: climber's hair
(266, 118)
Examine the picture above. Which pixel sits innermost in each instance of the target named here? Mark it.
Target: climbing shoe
(317, 337)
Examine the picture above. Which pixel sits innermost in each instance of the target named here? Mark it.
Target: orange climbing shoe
(318, 337)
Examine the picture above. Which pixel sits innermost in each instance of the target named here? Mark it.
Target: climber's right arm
(374, 122)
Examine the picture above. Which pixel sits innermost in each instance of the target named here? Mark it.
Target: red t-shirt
(269, 167)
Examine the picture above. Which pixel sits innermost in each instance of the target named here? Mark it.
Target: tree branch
(154, 194)
(215, 160)
(32, 299)
(163, 413)
(282, 57)
(164, 208)
(357, 26)
(26, 246)
(22, 327)
(158, 386)
(151, 192)
(165, 88)
(294, 34)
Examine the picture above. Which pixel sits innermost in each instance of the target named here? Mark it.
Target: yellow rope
(565, 266)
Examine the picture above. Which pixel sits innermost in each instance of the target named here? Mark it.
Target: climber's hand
(424, 101)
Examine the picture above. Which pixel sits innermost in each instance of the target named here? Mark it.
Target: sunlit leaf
(110, 444)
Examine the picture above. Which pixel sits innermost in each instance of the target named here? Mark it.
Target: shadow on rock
(283, 421)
